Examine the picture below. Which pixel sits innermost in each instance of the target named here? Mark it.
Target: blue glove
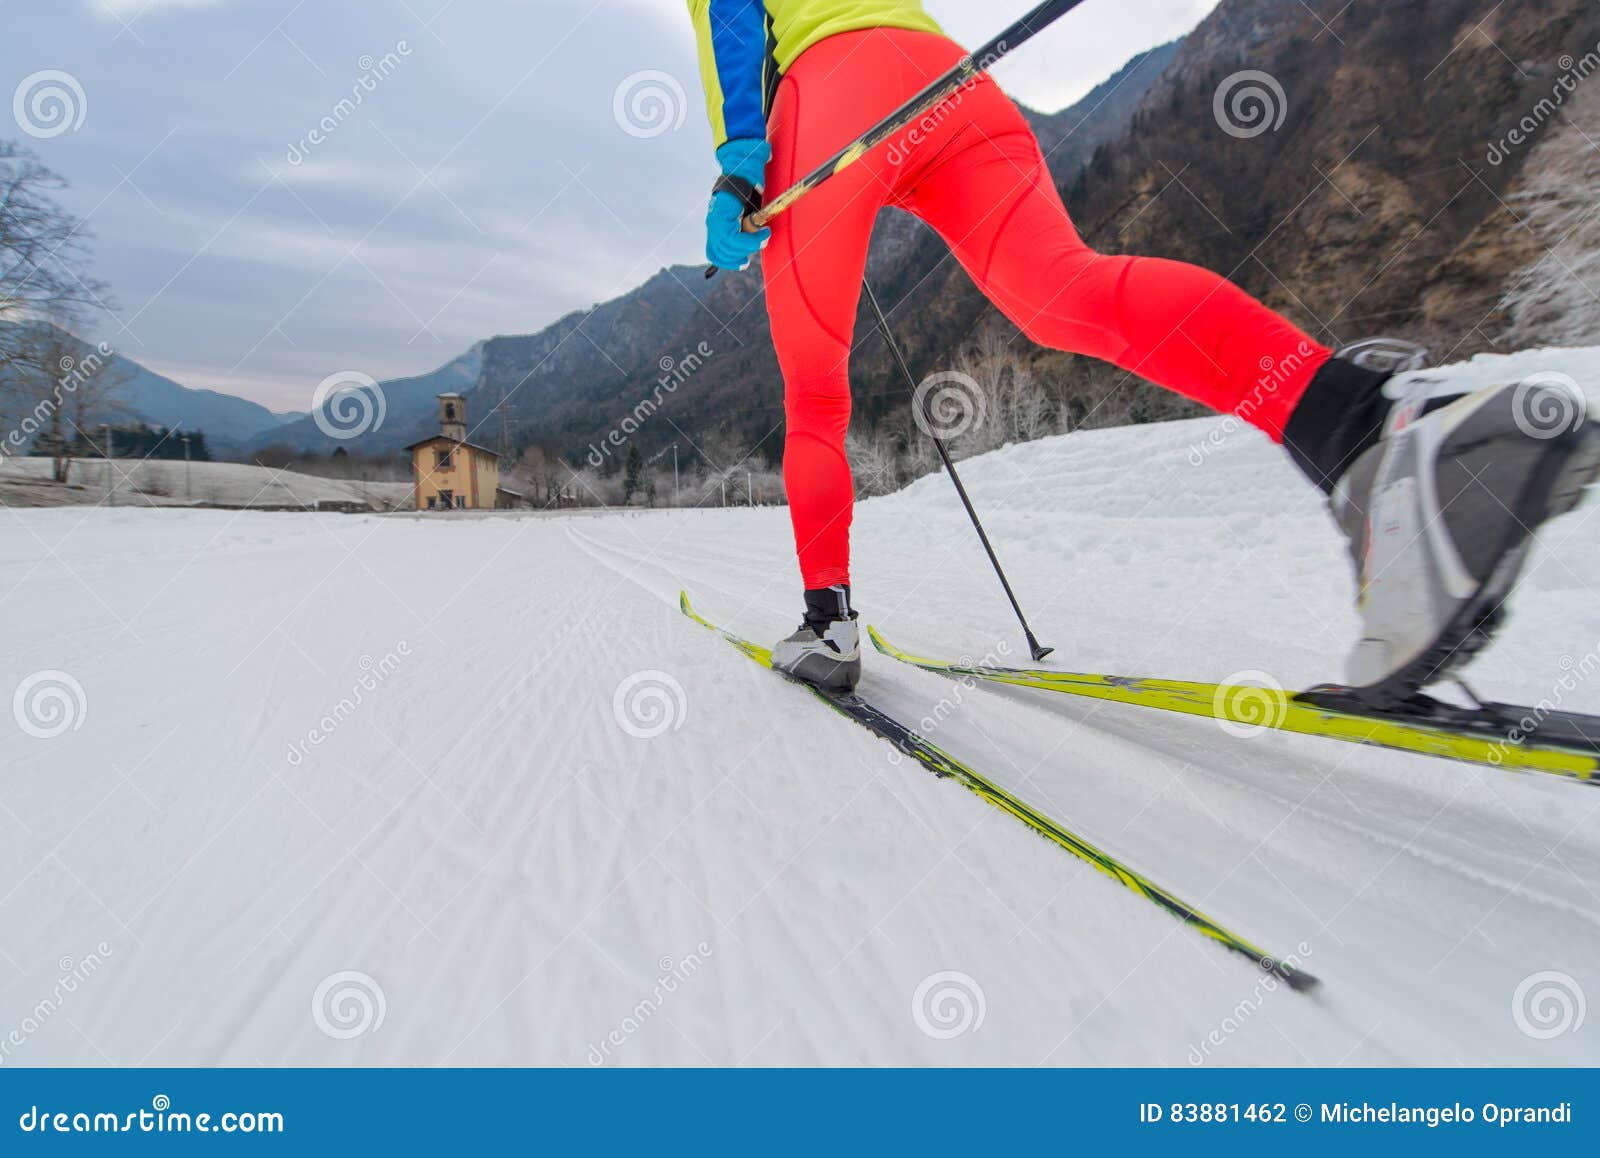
(728, 246)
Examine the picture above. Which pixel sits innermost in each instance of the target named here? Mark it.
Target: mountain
(408, 412)
(143, 395)
(228, 421)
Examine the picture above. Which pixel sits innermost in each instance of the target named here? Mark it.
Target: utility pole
(674, 474)
(724, 490)
(111, 487)
(749, 491)
(505, 423)
(188, 487)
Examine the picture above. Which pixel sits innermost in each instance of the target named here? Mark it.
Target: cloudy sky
(485, 183)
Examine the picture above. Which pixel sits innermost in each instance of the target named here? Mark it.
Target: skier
(1437, 490)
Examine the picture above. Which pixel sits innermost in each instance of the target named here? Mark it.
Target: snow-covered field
(357, 790)
(166, 482)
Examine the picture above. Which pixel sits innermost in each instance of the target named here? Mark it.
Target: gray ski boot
(826, 650)
(1440, 512)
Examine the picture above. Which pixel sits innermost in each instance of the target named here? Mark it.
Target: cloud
(227, 254)
(126, 10)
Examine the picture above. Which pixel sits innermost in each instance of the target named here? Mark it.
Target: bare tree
(876, 461)
(44, 251)
(65, 388)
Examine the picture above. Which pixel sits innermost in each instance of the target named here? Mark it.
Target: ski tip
(683, 603)
(887, 648)
(1299, 981)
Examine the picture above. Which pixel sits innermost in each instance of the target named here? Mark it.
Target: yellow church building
(451, 473)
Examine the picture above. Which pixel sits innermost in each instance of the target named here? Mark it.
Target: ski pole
(1034, 647)
(937, 91)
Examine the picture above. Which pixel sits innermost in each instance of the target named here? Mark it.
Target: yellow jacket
(745, 45)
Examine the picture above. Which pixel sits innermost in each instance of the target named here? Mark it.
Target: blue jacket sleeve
(734, 60)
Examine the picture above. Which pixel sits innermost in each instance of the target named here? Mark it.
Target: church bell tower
(453, 416)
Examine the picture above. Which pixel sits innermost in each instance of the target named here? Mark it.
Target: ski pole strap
(749, 196)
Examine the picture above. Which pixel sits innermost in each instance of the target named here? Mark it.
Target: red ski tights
(974, 172)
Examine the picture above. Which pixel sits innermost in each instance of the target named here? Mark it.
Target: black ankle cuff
(825, 605)
(1340, 415)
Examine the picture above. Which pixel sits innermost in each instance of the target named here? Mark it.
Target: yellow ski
(1502, 738)
(944, 765)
